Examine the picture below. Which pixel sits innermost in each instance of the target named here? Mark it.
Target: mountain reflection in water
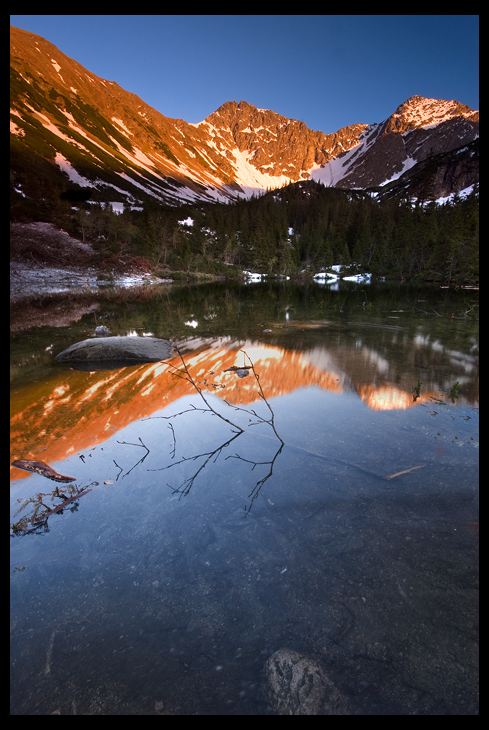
(78, 410)
(190, 549)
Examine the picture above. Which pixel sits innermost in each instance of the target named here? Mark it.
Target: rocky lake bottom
(314, 553)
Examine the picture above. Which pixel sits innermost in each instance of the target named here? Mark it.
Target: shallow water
(195, 549)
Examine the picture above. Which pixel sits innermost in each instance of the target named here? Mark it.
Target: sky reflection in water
(165, 589)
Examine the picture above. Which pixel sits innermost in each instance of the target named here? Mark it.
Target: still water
(325, 502)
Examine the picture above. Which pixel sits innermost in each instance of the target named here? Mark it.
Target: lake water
(346, 528)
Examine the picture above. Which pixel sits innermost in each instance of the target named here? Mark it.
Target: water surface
(199, 546)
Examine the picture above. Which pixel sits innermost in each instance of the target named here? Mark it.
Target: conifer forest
(296, 230)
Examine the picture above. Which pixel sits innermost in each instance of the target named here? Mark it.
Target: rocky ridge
(419, 129)
(276, 145)
(96, 135)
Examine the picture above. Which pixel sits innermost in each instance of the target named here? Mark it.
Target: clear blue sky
(326, 70)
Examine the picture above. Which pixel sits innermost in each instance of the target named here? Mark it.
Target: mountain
(277, 149)
(419, 129)
(71, 129)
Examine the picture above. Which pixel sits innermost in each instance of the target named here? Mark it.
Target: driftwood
(60, 507)
(39, 467)
(405, 471)
(37, 519)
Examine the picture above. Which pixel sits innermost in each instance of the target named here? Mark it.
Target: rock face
(420, 129)
(442, 174)
(86, 121)
(276, 145)
(111, 352)
(298, 685)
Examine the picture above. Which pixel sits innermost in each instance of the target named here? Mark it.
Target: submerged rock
(105, 353)
(298, 685)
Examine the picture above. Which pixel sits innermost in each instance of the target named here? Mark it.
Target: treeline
(301, 227)
(308, 226)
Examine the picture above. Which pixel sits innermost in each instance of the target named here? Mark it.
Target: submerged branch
(271, 420)
(237, 430)
(405, 471)
(40, 511)
(199, 391)
(127, 443)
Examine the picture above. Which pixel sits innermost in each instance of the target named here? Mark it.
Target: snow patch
(121, 124)
(74, 176)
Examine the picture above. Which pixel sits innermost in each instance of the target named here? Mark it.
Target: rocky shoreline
(30, 280)
(46, 260)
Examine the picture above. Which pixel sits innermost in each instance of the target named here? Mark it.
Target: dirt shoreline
(46, 260)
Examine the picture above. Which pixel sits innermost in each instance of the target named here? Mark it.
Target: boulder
(298, 685)
(108, 353)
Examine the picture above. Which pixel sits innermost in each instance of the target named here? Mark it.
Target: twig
(127, 443)
(39, 519)
(199, 391)
(187, 484)
(469, 310)
(256, 489)
(271, 421)
(180, 413)
(398, 473)
(172, 452)
(60, 507)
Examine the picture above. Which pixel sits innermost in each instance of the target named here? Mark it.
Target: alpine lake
(301, 474)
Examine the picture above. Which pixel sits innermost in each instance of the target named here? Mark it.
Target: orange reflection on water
(77, 410)
(385, 398)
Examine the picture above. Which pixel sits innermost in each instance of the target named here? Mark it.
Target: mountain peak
(418, 111)
(99, 136)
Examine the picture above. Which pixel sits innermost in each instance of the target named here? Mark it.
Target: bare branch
(127, 443)
(271, 420)
(174, 441)
(213, 455)
(38, 517)
(199, 391)
(187, 484)
(256, 489)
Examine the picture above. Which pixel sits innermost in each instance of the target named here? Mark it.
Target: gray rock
(102, 331)
(298, 685)
(105, 353)
(242, 372)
